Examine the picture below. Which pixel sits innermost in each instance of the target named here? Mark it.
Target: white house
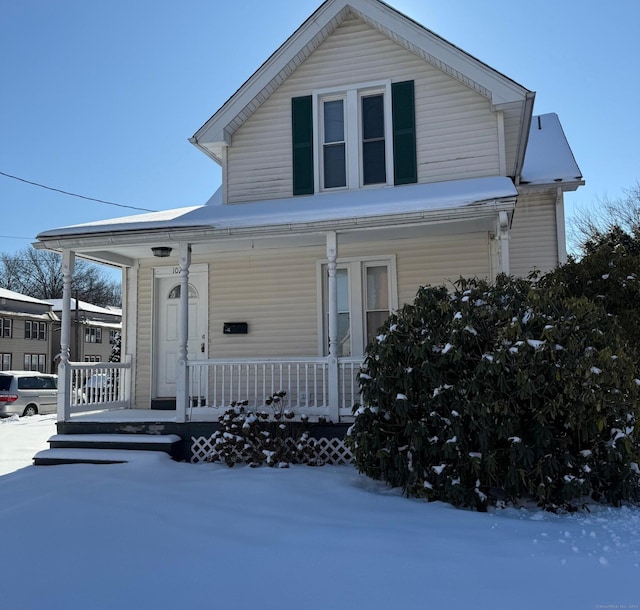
(366, 157)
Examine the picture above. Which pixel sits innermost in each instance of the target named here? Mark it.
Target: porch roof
(457, 199)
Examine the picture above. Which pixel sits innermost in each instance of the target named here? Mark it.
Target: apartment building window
(92, 359)
(6, 362)
(35, 362)
(6, 327)
(35, 330)
(92, 335)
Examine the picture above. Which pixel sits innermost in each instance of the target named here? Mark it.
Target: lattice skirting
(330, 450)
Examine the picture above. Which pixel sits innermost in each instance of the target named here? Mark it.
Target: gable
(501, 92)
(457, 130)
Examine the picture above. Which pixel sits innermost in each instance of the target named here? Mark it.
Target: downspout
(560, 228)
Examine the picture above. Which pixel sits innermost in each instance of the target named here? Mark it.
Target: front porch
(316, 388)
(108, 408)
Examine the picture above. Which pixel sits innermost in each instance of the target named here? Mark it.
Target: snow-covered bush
(264, 437)
(503, 392)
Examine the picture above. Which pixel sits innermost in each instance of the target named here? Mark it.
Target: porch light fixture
(161, 251)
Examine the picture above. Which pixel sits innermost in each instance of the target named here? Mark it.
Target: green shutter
(405, 170)
(302, 136)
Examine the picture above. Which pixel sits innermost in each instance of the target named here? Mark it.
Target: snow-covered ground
(155, 534)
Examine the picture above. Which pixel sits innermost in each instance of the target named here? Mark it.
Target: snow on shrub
(502, 392)
(264, 437)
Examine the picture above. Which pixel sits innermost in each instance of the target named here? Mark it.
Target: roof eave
(83, 244)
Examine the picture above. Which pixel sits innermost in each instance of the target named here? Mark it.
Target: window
(366, 296)
(376, 298)
(373, 140)
(352, 128)
(92, 335)
(354, 137)
(113, 335)
(334, 157)
(35, 362)
(6, 362)
(35, 330)
(92, 359)
(6, 327)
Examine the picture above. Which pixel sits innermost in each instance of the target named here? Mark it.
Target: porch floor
(204, 414)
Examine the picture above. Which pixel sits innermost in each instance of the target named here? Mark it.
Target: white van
(27, 393)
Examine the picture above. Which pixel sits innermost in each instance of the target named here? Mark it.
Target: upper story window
(353, 137)
(6, 327)
(92, 335)
(35, 330)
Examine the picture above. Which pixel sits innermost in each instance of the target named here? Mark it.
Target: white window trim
(356, 266)
(352, 95)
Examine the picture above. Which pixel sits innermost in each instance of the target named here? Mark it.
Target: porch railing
(217, 382)
(99, 386)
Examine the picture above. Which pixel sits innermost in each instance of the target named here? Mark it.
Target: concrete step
(141, 442)
(55, 457)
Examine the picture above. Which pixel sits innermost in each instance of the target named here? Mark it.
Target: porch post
(334, 394)
(64, 371)
(503, 236)
(182, 381)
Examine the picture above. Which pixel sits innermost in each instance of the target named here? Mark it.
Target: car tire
(30, 410)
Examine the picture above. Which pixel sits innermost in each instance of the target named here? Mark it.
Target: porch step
(105, 448)
(55, 457)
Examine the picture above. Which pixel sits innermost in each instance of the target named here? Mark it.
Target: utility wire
(50, 188)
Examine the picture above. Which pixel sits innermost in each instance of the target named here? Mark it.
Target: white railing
(348, 388)
(218, 382)
(99, 386)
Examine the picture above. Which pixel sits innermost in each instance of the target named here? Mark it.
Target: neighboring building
(93, 330)
(366, 157)
(26, 333)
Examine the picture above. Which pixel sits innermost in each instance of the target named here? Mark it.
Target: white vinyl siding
(533, 240)
(144, 332)
(274, 291)
(429, 260)
(457, 133)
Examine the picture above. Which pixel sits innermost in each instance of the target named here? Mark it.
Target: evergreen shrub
(264, 437)
(499, 393)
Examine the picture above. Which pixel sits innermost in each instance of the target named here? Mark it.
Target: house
(366, 157)
(93, 330)
(27, 331)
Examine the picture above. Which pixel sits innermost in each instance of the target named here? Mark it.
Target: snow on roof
(320, 208)
(84, 306)
(17, 296)
(549, 158)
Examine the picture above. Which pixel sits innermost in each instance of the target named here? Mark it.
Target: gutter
(525, 127)
(195, 234)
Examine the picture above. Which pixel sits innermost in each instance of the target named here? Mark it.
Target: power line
(15, 237)
(50, 188)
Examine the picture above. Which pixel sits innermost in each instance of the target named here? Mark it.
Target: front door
(167, 306)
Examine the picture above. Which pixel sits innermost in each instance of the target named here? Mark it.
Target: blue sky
(99, 98)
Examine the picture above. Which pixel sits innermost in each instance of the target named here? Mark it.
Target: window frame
(6, 328)
(40, 362)
(93, 334)
(352, 94)
(356, 266)
(34, 330)
(3, 357)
